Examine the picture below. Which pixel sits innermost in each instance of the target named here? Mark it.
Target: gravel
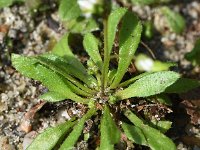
(19, 94)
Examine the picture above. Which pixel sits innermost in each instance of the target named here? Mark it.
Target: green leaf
(133, 118)
(76, 132)
(69, 9)
(30, 67)
(155, 139)
(82, 25)
(110, 134)
(129, 38)
(164, 99)
(175, 20)
(111, 75)
(194, 55)
(182, 85)
(52, 96)
(62, 49)
(162, 126)
(134, 133)
(6, 3)
(66, 68)
(113, 20)
(91, 46)
(149, 85)
(148, 2)
(127, 82)
(49, 138)
(110, 29)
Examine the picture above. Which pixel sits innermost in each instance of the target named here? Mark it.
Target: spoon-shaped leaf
(30, 67)
(110, 30)
(113, 20)
(155, 139)
(149, 85)
(129, 38)
(110, 134)
(76, 132)
(91, 46)
(49, 138)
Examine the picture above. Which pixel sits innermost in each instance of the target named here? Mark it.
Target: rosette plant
(101, 87)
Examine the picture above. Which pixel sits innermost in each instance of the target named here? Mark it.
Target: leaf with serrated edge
(68, 10)
(110, 134)
(76, 132)
(91, 46)
(129, 38)
(49, 138)
(149, 85)
(30, 67)
(155, 139)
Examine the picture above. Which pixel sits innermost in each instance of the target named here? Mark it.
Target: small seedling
(101, 85)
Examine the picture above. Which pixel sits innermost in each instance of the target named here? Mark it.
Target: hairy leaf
(110, 134)
(129, 38)
(113, 20)
(76, 132)
(91, 46)
(110, 30)
(69, 9)
(194, 55)
(30, 67)
(149, 85)
(66, 68)
(155, 139)
(49, 138)
(134, 133)
(175, 20)
(127, 82)
(183, 85)
(52, 96)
